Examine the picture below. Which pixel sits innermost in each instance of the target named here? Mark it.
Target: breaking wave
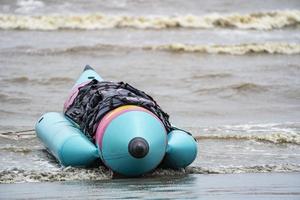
(233, 49)
(16, 175)
(287, 133)
(260, 21)
(277, 138)
(244, 169)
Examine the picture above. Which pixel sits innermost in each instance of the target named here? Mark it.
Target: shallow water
(229, 186)
(232, 81)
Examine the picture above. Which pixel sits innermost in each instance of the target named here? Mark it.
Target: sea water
(226, 71)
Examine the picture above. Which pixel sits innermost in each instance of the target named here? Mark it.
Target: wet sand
(228, 186)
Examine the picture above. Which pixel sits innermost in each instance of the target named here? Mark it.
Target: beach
(228, 72)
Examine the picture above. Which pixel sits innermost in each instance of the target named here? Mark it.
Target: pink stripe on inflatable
(112, 115)
(73, 94)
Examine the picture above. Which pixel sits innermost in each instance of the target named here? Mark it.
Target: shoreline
(200, 186)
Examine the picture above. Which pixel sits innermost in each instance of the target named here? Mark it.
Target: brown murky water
(226, 71)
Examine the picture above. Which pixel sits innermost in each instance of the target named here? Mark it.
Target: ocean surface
(227, 71)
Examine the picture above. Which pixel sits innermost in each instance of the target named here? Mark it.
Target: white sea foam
(16, 175)
(277, 138)
(238, 49)
(244, 169)
(274, 133)
(260, 21)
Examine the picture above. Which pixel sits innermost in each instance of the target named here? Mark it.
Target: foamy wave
(244, 169)
(277, 138)
(16, 149)
(274, 133)
(238, 49)
(17, 175)
(233, 49)
(17, 135)
(260, 21)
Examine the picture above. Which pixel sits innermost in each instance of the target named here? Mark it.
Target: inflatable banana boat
(129, 139)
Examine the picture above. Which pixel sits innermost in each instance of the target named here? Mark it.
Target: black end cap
(87, 67)
(138, 147)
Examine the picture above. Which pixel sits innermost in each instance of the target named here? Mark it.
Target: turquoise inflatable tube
(87, 75)
(133, 143)
(181, 151)
(65, 141)
(130, 140)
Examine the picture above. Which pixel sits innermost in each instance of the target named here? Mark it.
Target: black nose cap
(138, 147)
